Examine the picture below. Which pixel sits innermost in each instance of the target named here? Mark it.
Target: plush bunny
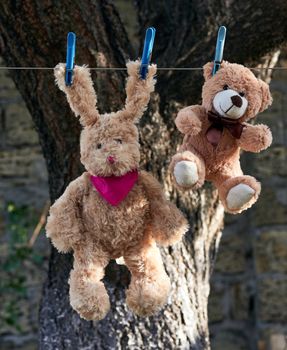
(216, 131)
(114, 209)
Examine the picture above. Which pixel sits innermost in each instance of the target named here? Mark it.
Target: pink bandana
(114, 189)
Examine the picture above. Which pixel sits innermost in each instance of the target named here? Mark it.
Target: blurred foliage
(16, 256)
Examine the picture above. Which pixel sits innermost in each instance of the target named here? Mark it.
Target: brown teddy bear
(113, 209)
(216, 131)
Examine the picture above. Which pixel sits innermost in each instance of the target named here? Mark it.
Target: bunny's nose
(111, 159)
(236, 100)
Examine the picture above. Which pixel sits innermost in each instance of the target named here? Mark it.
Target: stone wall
(23, 181)
(23, 175)
(248, 301)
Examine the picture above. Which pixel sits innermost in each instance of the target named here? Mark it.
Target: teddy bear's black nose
(236, 100)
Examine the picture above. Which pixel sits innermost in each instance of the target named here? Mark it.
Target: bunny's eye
(99, 146)
(241, 94)
(119, 141)
(225, 87)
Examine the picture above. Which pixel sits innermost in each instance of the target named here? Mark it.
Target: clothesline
(124, 69)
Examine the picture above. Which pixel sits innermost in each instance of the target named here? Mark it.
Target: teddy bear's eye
(119, 141)
(241, 94)
(99, 146)
(225, 87)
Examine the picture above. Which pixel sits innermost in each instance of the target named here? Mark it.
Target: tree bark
(33, 33)
(187, 36)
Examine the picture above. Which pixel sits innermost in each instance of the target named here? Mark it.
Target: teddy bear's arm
(81, 94)
(167, 223)
(188, 120)
(64, 222)
(255, 138)
(138, 90)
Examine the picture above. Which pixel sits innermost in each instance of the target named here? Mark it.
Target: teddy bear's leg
(188, 170)
(88, 295)
(239, 193)
(150, 285)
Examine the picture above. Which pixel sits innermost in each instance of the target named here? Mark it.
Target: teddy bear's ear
(207, 70)
(266, 95)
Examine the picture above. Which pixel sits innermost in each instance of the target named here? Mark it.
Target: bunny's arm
(167, 222)
(255, 138)
(64, 226)
(138, 90)
(188, 120)
(81, 94)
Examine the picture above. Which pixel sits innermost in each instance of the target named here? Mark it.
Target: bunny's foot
(150, 285)
(147, 296)
(87, 296)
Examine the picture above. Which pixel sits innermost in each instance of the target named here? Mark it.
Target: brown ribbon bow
(234, 127)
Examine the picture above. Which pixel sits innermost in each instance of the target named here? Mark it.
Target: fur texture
(235, 93)
(83, 222)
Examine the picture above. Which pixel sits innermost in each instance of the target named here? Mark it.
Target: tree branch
(187, 38)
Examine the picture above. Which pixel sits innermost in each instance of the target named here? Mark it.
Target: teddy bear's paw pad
(120, 261)
(239, 195)
(147, 298)
(186, 173)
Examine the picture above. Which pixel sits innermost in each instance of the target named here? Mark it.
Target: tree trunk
(33, 33)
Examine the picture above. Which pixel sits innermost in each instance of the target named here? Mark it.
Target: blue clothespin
(147, 51)
(219, 49)
(71, 50)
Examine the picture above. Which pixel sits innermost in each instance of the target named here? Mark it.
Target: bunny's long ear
(81, 94)
(138, 91)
